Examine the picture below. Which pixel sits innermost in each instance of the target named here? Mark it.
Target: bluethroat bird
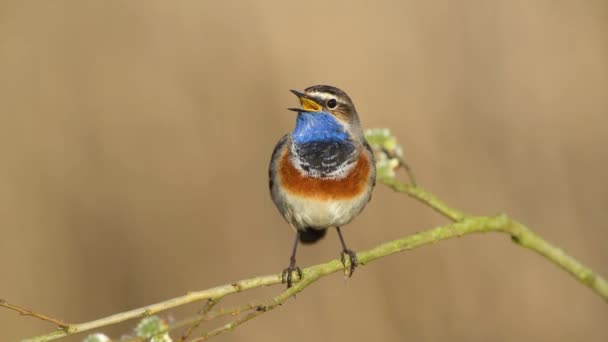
(322, 174)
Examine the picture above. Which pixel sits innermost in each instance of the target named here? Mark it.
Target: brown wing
(373, 160)
(275, 155)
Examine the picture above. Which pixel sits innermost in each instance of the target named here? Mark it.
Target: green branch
(465, 226)
(388, 159)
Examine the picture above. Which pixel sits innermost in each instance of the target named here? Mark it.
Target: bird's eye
(331, 104)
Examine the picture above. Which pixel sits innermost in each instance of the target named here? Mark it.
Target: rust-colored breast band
(350, 186)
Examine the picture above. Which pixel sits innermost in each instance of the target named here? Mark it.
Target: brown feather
(294, 182)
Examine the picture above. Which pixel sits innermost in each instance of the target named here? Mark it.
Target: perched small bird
(322, 174)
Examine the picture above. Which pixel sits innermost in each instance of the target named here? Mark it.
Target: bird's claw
(353, 262)
(287, 275)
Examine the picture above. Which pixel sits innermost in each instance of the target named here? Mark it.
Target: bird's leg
(286, 276)
(351, 256)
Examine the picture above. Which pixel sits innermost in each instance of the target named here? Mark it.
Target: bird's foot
(287, 275)
(352, 262)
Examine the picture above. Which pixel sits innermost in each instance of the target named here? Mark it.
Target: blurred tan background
(135, 138)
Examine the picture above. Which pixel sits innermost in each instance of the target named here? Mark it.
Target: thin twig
(425, 197)
(234, 311)
(152, 309)
(227, 327)
(270, 305)
(26, 312)
(403, 164)
(211, 302)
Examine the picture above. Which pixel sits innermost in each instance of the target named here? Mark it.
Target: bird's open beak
(308, 104)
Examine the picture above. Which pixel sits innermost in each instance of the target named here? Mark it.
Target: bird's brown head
(328, 99)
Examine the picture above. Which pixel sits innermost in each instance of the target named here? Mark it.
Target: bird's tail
(311, 235)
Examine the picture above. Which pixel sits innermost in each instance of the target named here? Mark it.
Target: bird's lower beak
(308, 104)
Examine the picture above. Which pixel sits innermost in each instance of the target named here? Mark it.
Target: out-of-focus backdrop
(135, 138)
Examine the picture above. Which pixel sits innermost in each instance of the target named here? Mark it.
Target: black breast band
(323, 157)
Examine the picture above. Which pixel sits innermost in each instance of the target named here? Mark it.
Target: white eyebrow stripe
(324, 96)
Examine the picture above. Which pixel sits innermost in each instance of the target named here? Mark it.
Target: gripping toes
(352, 261)
(287, 275)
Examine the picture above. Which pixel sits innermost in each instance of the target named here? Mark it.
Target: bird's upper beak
(308, 104)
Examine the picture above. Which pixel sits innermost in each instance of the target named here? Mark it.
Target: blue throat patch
(318, 127)
(321, 143)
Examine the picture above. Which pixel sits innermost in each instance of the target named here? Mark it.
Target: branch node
(516, 239)
(588, 278)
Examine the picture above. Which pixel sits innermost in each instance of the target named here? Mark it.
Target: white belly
(303, 212)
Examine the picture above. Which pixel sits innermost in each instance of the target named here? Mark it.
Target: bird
(321, 174)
